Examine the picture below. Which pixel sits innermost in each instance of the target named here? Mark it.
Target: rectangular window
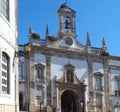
(5, 73)
(5, 8)
(117, 85)
(38, 91)
(21, 73)
(40, 75)
(99, 99)
(98, 83)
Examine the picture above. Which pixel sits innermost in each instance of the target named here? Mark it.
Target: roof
(64, 6)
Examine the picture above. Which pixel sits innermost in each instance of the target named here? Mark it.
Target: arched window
(5, 73)
(5, 8)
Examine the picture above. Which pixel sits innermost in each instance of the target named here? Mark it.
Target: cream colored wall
(7, 108)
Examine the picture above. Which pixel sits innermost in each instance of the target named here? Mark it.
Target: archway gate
(70, 97)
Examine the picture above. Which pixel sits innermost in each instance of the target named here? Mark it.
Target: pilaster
(106, 85)
(31, 91)
(48, 83)
(90, 86)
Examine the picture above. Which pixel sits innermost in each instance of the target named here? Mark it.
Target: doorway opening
(69, 101)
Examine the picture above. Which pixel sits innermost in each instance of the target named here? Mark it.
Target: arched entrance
(69, 101)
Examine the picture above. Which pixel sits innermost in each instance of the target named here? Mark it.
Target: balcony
(117, 92)
(99, 88)
(40, 80)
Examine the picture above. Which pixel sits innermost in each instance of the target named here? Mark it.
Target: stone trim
(48, 83)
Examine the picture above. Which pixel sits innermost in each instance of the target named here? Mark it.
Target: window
(21, 72)
(39, 91)
(117, 85)
(98, 99)
(98, 83)
(39, 72)
(98, 77)
(5, 8)
(5, 73)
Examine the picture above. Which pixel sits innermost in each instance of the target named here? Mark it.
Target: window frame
(21, 72)
(5, 83)
(99, 99)
(98, 86)
(5, 9)
(39, 72)
(117, 85)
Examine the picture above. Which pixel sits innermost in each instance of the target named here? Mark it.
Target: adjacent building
(59, 74)
(8, 58)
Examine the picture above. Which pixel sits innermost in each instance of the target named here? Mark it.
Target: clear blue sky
(101, 18)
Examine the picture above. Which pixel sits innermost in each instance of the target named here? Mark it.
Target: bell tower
(67, 24)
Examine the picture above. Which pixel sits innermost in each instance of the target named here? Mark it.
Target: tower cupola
(66, 21)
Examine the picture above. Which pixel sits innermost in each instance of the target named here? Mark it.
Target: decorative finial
(104, 53)
(88, 40)
(30, 30)
(103, 42)
(47, 31)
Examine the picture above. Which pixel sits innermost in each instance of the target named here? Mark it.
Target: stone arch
(70, 101)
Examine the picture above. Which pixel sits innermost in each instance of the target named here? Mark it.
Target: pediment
(62, 43)
(64, 77)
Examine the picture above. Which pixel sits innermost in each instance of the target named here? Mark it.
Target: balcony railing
(117, 92)
(97, 50)
(99, 88)
(40, 80)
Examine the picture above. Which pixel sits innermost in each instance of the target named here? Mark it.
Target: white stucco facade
(8, 45)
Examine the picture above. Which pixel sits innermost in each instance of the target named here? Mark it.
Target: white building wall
(57, 67)
(8, 43)
(11, 52)
(39, 58)
(8, 29)
(97, 67)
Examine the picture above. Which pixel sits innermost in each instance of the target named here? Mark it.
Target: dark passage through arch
(69, 101)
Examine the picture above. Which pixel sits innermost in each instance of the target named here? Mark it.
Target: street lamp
(27, 47)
